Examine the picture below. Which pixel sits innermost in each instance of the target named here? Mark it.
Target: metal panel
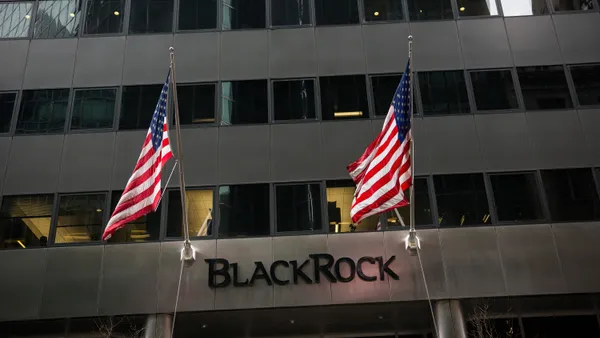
(146, 59)
(5, 144)
(200, 156)
(99, 61)
(72, 282)
(579, 255)
(85, 156)
(50, 63)
(484, 43)
(504, 141)
(386, 51)
(12, 63)
(127, 150)
(33, 164)
(296, 152)
(576, 46)
(243, 154)
(355, 246)
(533, 41)
(422, 143)
(411, 286)
(340, 149)
(129, 279)
(590, 120)
(567, 135)
(21, 294)
(299, 248)
(197, 57)
(530, 260)
(340, 50)
(244, 55)
(292, 53)
(472, 261)
(195, 295)
(436, 46)
(237, 251)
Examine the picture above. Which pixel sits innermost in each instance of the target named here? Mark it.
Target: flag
(143, 191)
(383, 172)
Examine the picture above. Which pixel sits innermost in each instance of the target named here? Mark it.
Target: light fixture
(116, 13)
(420, 11)
(72, 15)
(376, 13)
(347, 113)
(27, 16)
(462, 9)
(204, 326)
(292, 321)
(98, 210)
(380, 317)
(21, 244)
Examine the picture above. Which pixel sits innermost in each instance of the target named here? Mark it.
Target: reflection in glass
(25, 221)
(137, 105)
(151, 16)
(572, 195)
(429, 10)
(383, 10)
(290, 12)
(339, 201)
(336, 12)
(43, 111)
(244, 102)
(298, 207)
(344, 97)
(57, 19)
(15, 18)
(559, 326)
(243, 14)
(200, 213)
(587, 84)
(294, 100)
(197, 14)
(461, 200)
(93, 109)
(477, 7)
(494, 90)
(516, 197)
(244, 210)
(573, 5)
(544, 87)
(143, 229)
(196, 103)
(524, 7)
(443, 93)
(423, 214)
(7, 105)
(104, 16)
(80, 218)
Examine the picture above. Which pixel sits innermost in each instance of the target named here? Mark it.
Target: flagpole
(412, 242)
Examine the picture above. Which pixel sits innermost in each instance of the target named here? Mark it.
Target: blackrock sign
(222, 273)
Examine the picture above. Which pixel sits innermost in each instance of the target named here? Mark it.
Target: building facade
(276, 98)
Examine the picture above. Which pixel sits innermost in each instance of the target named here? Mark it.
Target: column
(158, 326)
(449, 319)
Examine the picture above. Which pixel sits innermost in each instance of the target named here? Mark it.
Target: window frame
(457, 11)
(54, 212)
(552, 11)
(216, 230)
(31, 22)
(568, 81)
(316, 94)
(216, 112)
(432, 204)
(220, 98)
(453, 7)
(125, 22)
(163, 237)
(82, 21)
(174, 20)
(364, 21)
(516, 85)
(274, 229)
(572, 86)
(218, 20)
(15, 110)
(220, 28)
(18, 114)
(116, 111)
(501, 10)
(311, 16)
(468, 88)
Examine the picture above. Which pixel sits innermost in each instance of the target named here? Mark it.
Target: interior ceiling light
(376, 13)
(347, 113)
(116, 13)
(72, 15)
(462, 9)
(27, 16)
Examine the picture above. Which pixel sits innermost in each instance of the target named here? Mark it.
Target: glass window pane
(200, 213)
(573, 5)
(429, 10)
(196, 103)
(561, 327)
(520, 7)
(244, 210)
(339, 201)
(15, 18)
(151, 16)
(384, 88)
(244, 102)
(25, 221)
(294, 100)
(104, 16)
(80, 218)
(587, 84)
(7, 106)
(43, 111)
(336, 12)
(477, 7)
(244, 14)
(344, 97)
(544, 87)
(571, 194)
(494, 90)
(461, 200)
(197, 14)
(93, 109)
(290, 12)
(143, 229)
(516, 197)
(444, 93)
(57, 19)
(383, 10)
(481, 325)
(422, 207)
(298, 207)
(137, 106)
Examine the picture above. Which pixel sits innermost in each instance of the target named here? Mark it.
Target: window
(151, 16)
(294, 100)
(384, 88)
(143, 229)
(290, 12)
(93, 109)
(429, 10)
(197, 14)
(494, 90)
(244, 102)
(544, 87)
(516, 197)
(573, 5)
(477, 7)
(344, 97)
(298, 207)
(196, 103)
(444, 93)
(80, 218)
(57, 19)
(481, 325)
(587, 84)
(43, 111)
(137, 106)
(559, 327)
(461, 199)
(25, 221)
(422, 207)
(104, 16)
(244, 210)
(383, 10)
(200, 213)
(243, 14)
(339, 202)
(15, 18)
(571, 194)
(336, 12)
(519, 8)
(7, 106)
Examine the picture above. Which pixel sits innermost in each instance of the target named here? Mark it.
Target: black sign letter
(274, 274)
(236, 281)
(260, 268)
(338, 273)
(297, 270)
(324, 269)
(361, 273)
(213, 272)
(385, 267)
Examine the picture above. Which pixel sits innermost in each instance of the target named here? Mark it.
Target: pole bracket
(188, 253)
(413, 244)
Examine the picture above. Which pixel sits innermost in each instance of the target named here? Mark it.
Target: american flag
(142, 193)
(383, 172)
